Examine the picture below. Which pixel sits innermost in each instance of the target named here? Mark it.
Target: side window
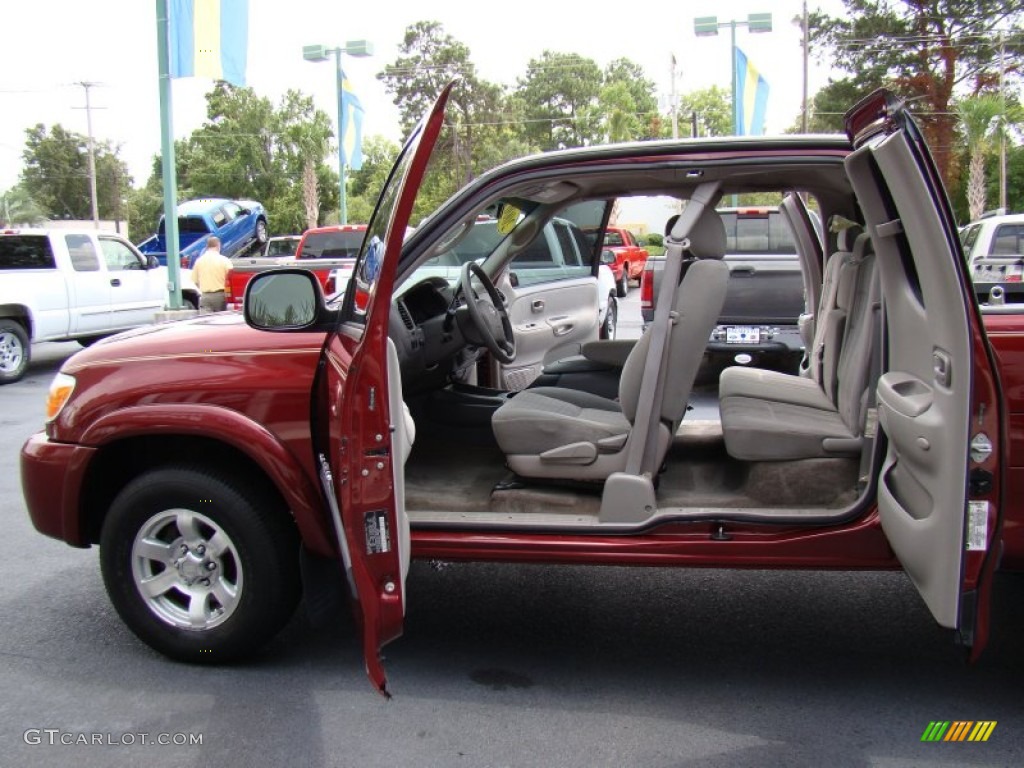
(969, 237)
(119, 256)
(219, 218)
(83, 253)
(568, 246)
(26, 252)
(612, 239)
(231, 211)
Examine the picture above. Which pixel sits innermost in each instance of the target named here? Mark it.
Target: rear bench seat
(771, 416)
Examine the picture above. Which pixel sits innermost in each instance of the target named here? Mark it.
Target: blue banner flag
(351, 127)
(751, 98)
(209, 38)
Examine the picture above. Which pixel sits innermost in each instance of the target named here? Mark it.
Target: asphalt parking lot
(505, 666)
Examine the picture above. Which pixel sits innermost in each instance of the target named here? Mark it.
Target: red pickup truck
(329, 252)
(630, 256)
(199, 455)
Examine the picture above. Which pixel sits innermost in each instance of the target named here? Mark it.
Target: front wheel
(15, 351)
(611, 318)
(200, 567)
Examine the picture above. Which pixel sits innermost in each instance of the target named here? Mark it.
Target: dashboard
(427, 337)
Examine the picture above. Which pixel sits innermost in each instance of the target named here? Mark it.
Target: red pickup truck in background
(630, 256)
(329, 252)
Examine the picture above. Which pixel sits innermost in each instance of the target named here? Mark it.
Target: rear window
(757, 233)
(193, 224)
(1009, 240)
(331, 245)
(26, 252)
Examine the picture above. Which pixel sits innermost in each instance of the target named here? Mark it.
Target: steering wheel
(489, 316)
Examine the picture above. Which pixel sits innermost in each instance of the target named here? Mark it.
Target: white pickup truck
(994, 247)
(58, 285)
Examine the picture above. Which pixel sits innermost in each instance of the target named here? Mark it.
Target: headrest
(707, 238)
(847, 238)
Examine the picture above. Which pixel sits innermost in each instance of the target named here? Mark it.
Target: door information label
(977, 525)
(378, 538)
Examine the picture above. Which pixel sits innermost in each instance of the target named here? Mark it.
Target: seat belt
(870, 426)
(643, 449)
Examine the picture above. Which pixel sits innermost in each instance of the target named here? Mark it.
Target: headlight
(60, 392)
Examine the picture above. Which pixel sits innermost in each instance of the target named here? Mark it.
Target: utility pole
(675, 103)
(92, 154)
(807, 47)
(1002, 123)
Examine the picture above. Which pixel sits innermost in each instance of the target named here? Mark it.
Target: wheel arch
(19, 313)
(252, 454)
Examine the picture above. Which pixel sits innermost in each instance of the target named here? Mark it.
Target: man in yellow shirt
(210, 274)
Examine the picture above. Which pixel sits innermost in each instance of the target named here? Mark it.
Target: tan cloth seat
(560, 433)
(771, 416)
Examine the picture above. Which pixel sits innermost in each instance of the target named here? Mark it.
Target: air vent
(406, 317)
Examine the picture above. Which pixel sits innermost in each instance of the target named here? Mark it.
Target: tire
(622, 285)
(230, 559)
(15, 351)
(611, 318)
(261, 232)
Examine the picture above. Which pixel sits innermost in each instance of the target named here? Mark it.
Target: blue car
(241, 226)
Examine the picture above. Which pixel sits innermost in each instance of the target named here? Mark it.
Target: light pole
(705, 26)
(358, 48)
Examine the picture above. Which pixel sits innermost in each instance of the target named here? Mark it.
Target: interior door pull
(942, 367)
(537, 305)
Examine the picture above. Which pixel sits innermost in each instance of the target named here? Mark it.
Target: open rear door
(361, 449)
(938, 396)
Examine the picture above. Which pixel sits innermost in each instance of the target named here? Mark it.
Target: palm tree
(985, 118)
(17, 207)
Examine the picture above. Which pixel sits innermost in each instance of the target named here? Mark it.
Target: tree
(428, 60)
(979, 120)
(927, 50)
(250, 149)
(830, 103)
(557, 96)
(379, 156)
(18, 208)
(56, 174)
(644, 104)
(713, 107)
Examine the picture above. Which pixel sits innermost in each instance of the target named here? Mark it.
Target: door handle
(115, 281)
(537, 305)
(561, 330)
(744, 271)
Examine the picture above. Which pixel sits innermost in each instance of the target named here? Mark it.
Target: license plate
(742, 334)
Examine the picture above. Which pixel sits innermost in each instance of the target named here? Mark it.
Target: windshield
(473, 240)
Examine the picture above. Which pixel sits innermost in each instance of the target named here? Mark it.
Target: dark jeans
(211, 302)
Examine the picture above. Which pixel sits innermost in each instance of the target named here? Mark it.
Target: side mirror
(152, 262)
(607, 257)
(283, 300)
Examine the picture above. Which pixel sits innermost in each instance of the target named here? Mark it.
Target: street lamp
(705, 26)
(358, 48)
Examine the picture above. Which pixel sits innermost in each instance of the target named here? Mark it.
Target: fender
(235, 429)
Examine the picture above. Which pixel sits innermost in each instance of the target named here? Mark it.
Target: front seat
(566, 434)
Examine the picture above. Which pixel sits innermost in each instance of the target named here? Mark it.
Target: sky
(52, 45)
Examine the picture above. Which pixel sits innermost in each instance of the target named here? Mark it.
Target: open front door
(365, 439)
(938, 397)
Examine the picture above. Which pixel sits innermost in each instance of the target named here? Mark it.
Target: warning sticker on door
(378, 538)
(977, 525)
